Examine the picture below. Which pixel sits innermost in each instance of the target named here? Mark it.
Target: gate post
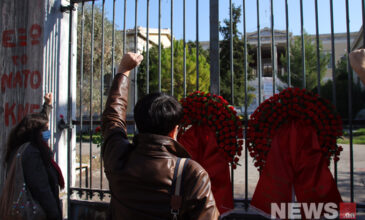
(34, 40)
(21, 74)
(214, 46)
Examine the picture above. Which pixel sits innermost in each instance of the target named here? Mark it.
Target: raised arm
(114, 115)
(47, 105)
(114, 125)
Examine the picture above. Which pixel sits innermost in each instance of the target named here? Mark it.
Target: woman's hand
(128, 62)
(48, 98)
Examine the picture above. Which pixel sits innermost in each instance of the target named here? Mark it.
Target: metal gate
(268, 54)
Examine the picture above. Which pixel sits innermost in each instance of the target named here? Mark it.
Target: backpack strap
(176, 198)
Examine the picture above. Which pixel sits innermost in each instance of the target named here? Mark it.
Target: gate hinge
(68, 8)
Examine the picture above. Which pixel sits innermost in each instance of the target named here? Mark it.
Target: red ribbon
(295, 160)
(201, 143)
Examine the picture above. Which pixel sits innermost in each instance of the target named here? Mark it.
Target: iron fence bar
(135, 51)
(52, 121)
(50, 86)
(246, 100)
(214, 46)
(124, 27)
(101, 85)
(363, 23)
(46, 55)
(334, 101)
(113, 39)
(303, 45)
(317, 49)
(350, 102)
(148, 47)
(231, 54)
(287, 43)
(159, 45)
(273, 55)
(184, 39)
(232, 75)
(69, 108)
(197, 45)
(259, 51)
(91, 91)
(172, 48)
(81, 84)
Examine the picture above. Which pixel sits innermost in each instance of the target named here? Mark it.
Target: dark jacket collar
(170, 144)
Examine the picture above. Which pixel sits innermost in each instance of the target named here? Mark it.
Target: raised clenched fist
(48, 98)
(357, 61)
(128, 62)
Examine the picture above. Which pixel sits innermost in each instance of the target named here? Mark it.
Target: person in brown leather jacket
(140, 174)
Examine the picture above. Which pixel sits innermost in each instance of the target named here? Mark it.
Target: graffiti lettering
(21, 79)
(12, 38)
(21, 112)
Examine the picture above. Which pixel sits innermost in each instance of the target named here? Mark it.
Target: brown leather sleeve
(200, 203)
(114, 115)
(113, 126)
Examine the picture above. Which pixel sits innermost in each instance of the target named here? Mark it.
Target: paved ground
(253, 175)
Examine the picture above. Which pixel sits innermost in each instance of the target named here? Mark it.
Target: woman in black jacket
(41, 174)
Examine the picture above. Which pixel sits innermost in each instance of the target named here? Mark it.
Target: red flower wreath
(214, 111)
(293, 103)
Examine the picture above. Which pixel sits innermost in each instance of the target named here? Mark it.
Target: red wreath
(293, 104)
(206, 109)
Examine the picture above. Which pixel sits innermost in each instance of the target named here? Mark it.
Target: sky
(339, 10)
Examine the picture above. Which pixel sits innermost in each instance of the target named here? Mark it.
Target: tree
(238, 61)
(108, 27)
(178, 56)
(296, 66)
(358, 95)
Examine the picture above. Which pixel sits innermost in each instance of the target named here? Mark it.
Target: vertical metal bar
(363, 22)
(197, 45)
(51, 125)
(318, 52)
(303, 45)
(91, 93)
(113, 46)
(184, 36)
(350, 102)
(81, 87)
(56, 85)
(69, 111)
(232, 76)
(52, 73)
(259, 67)
(102, 85)
(148, 47)
(172, 48)
(287, 43)
(273, 52)
(334, 101)
(159, 45)
(214, 46)
(333, 56)
(135, 50)
(124, 28)
(231, 53)
(246, 100)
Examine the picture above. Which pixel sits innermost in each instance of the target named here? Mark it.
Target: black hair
(30, 130)
(157, 113)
